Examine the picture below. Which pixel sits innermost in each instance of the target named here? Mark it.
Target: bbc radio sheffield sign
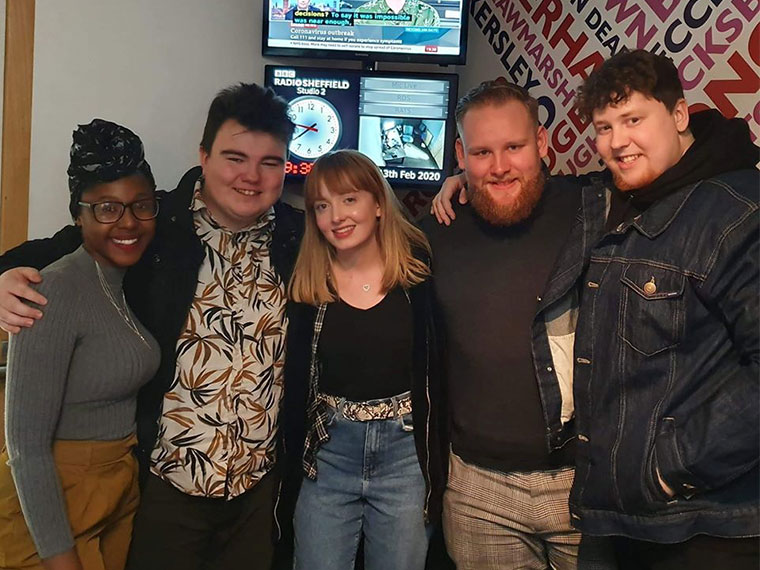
(551, 46)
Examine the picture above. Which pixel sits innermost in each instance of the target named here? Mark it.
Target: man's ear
(542, 141)
(459, 147)
(681, 115)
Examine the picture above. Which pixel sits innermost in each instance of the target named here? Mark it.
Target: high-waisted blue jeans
(369, 481)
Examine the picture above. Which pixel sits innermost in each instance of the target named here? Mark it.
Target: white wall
(152, 65)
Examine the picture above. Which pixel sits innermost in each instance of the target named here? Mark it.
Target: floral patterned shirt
(219, 422)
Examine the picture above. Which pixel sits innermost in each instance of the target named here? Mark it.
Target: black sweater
(488, 281)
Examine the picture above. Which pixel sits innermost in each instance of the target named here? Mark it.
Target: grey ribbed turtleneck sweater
(74, 375)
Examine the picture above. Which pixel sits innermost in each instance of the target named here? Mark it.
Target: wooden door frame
(17, 122)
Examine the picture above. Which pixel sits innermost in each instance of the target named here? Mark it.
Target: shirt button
(549, 368)
(538, 299)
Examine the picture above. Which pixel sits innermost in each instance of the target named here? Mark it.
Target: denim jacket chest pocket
(651, 308)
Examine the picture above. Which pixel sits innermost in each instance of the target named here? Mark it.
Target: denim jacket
(553, 329)
(666, 366)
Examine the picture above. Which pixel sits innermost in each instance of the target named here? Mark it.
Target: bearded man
(505, 281)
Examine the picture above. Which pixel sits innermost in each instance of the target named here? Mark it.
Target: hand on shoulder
(15, 289)
(441, 207)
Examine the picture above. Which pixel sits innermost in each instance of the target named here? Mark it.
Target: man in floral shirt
(211, 290)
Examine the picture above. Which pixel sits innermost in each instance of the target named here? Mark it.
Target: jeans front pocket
(651, 308)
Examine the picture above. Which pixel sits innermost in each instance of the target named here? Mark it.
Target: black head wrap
(103, 151)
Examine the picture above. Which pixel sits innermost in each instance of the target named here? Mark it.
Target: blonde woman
(375, 446)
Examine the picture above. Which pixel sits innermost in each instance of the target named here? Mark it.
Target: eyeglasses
(111, 212)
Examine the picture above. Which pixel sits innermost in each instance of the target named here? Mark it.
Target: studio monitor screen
(433, 31)
(400, 120)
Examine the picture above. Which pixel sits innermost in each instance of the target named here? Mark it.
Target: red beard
(517, 210)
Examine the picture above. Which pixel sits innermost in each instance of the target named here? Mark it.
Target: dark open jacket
(428, 392)
(160, 288)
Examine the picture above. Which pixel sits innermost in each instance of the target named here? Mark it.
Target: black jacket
(160, 288)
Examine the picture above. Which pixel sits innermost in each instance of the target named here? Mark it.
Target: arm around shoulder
(24, 260)
(40, 253)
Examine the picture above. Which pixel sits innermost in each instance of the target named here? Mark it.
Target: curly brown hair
(613, 82)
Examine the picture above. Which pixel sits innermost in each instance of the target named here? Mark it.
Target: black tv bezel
(368, 58)
(451, 131)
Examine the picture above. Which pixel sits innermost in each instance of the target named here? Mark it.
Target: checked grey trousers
(517, 520)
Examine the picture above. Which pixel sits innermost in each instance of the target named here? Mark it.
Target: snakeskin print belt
(380, 409)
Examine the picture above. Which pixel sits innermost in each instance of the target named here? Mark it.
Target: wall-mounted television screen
(398, 119)
(430, 31)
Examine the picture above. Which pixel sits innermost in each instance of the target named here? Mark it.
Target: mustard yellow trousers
(99, 481)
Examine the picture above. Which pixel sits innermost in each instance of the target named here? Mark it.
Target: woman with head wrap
(68, 486)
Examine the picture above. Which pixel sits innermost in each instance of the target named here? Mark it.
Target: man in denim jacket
(667, 348)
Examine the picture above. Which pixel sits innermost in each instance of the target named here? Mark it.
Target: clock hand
(313, 127)
(306, 130)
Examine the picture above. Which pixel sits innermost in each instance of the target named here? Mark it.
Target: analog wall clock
(318, 127)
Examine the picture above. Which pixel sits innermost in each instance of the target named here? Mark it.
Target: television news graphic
(421, 32)
(398, 119)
